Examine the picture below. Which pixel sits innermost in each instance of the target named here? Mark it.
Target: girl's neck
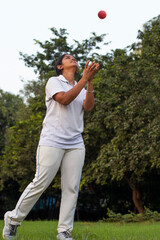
(69, 76)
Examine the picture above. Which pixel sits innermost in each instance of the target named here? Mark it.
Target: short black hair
(59, 62)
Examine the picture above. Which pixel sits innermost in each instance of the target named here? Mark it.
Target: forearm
(89, 101)
(67, 97)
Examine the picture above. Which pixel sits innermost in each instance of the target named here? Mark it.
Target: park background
(121, 134)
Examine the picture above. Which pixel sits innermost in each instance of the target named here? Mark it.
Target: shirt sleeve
(54, 86)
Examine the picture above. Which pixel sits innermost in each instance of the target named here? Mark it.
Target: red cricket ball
(102, 14)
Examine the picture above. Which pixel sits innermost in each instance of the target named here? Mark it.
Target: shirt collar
(62, 78)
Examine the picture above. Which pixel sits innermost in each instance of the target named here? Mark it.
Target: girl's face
(68, 62)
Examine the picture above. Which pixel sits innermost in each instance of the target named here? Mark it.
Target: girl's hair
(59, 62)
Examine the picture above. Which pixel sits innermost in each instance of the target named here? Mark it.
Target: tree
(10, 106)
(12, 109)
(43, 62)
(22, 138)
(124, 127)
(20, 151)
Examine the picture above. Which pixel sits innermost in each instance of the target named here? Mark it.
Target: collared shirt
(63, 124)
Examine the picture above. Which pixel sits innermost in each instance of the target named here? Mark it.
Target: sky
(22, 21)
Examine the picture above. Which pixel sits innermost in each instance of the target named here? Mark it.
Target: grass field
(46, 230)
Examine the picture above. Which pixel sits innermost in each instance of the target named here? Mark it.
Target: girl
(60, 146)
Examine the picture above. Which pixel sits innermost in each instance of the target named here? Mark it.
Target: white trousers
(49, 160)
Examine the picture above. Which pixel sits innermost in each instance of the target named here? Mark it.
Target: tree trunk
(136, 197)
(137, 200)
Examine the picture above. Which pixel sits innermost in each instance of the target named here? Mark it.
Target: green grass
(46, 230)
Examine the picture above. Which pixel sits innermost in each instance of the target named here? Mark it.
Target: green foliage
(20, 151)
(124, 126)
(43, 62)
(132, 217)
(10, 107)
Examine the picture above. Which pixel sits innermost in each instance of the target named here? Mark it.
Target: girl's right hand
(90, 70)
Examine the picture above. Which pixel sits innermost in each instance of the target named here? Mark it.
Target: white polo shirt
(63, 124)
